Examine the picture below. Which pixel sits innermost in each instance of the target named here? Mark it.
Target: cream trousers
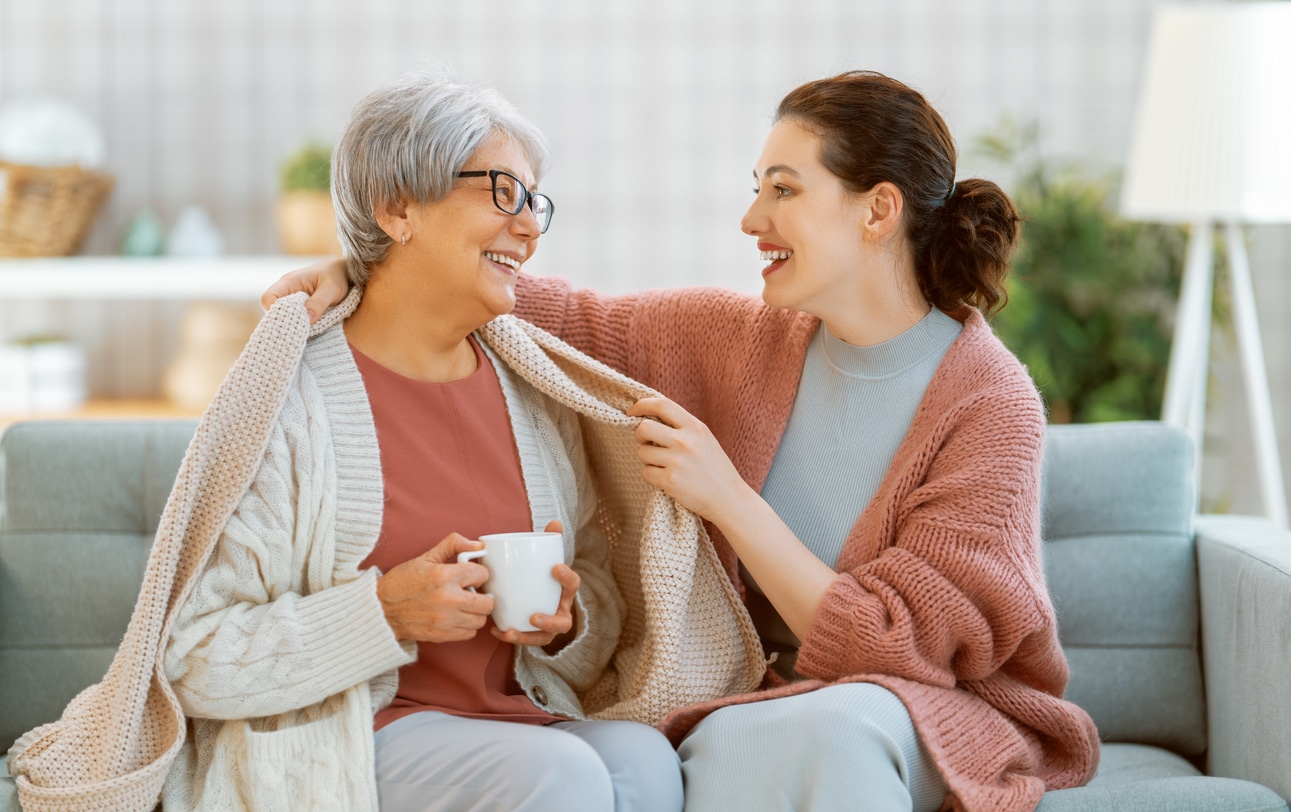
(434, 762)
(846, 747)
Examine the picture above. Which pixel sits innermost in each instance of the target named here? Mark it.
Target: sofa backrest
(79, 504)
(1118, 510)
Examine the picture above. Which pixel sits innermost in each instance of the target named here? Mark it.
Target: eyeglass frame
(525, 199)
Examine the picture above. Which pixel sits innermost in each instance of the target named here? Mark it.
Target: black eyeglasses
(510, 195)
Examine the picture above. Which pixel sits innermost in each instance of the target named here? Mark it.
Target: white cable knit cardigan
(282, 648)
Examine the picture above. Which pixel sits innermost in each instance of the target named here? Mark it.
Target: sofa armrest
(1244, 569)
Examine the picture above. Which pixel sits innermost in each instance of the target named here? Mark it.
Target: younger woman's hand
(326, 283)
(683, 458)
(549, 626)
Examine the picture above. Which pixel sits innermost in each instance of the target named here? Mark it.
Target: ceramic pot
(307, 224)
(211, 338)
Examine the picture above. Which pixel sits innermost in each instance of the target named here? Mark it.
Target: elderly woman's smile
(503, 259)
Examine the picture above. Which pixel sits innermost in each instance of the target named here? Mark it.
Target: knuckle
(437, 575)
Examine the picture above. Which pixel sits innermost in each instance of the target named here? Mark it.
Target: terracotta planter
(211, 338)
(307, 224)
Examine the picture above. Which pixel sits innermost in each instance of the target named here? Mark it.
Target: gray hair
(405, 142)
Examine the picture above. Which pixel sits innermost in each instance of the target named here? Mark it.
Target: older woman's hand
(429, 598)
(325, 282)
(550, 626)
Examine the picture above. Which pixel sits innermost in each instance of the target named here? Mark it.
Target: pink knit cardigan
(940, 596)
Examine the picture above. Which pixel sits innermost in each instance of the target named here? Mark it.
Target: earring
(403, 239)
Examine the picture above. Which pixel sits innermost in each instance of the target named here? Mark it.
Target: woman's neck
(877, 308)
(427, 343)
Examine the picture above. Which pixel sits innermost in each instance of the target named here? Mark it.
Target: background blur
(655, 113)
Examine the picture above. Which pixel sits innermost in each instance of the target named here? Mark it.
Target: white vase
(48, 376)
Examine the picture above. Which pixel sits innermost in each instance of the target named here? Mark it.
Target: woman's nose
(524, 224)
(753, 222)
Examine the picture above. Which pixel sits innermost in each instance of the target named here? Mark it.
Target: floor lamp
(1211, 146)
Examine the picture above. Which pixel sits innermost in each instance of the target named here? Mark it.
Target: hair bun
(968, 255)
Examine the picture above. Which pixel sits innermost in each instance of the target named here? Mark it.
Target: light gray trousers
(845, 747)
(436, 762)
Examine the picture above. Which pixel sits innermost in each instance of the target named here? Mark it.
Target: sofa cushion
(1138, 778)
(8, 789)
(78, 510)
(1119, 558)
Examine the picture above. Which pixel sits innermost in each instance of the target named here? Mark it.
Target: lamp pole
(1186, 378)
(1185, 388)
(1258, 402)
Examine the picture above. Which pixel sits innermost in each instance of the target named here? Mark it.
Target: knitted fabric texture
(686, 637)
(685, 633)
(940, 595)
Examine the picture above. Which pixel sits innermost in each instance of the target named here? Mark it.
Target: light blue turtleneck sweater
(853, 408)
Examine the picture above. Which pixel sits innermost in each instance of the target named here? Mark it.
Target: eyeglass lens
(510, 195)
(506, 193)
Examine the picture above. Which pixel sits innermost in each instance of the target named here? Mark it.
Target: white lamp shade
(1212, 131)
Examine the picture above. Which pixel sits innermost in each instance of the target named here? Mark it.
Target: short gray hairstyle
(405, 142)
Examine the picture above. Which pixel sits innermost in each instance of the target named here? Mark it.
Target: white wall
(655, 112)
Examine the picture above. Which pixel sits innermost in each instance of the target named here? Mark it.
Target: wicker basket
(47, 211)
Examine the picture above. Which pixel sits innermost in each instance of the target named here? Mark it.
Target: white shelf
(237, 278)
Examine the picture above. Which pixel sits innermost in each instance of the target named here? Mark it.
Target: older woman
(323, 643)
(437, 211)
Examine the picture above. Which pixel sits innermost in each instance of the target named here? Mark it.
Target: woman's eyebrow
(778, 169)
(530, 186)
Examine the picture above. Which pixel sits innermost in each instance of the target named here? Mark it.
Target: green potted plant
(306, 221)
(1092, 302)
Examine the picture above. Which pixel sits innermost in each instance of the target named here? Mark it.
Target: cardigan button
(540, 695)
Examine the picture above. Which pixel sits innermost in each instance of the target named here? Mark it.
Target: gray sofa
(1142, 587)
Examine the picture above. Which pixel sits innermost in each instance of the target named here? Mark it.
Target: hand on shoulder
(325, 281)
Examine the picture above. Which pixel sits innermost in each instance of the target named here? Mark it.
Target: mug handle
(470, 555)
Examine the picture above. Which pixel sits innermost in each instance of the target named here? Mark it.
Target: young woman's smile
(776, 255)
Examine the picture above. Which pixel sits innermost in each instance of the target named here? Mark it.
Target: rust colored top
(450, 464)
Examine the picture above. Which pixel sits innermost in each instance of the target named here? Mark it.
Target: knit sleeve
(601, 326)
(960, 590)
(259, 635)
(696, 345)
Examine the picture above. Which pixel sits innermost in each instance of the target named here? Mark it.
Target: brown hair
(877, 129)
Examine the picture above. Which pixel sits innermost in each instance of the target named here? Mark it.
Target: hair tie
(950, 194)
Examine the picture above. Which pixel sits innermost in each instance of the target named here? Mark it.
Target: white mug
(520, 578)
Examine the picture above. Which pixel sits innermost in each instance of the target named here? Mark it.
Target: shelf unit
(227, 279)
(241, 278)
(106, 410)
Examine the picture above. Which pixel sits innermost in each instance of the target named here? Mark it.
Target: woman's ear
(886, 204)
(393, 219)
